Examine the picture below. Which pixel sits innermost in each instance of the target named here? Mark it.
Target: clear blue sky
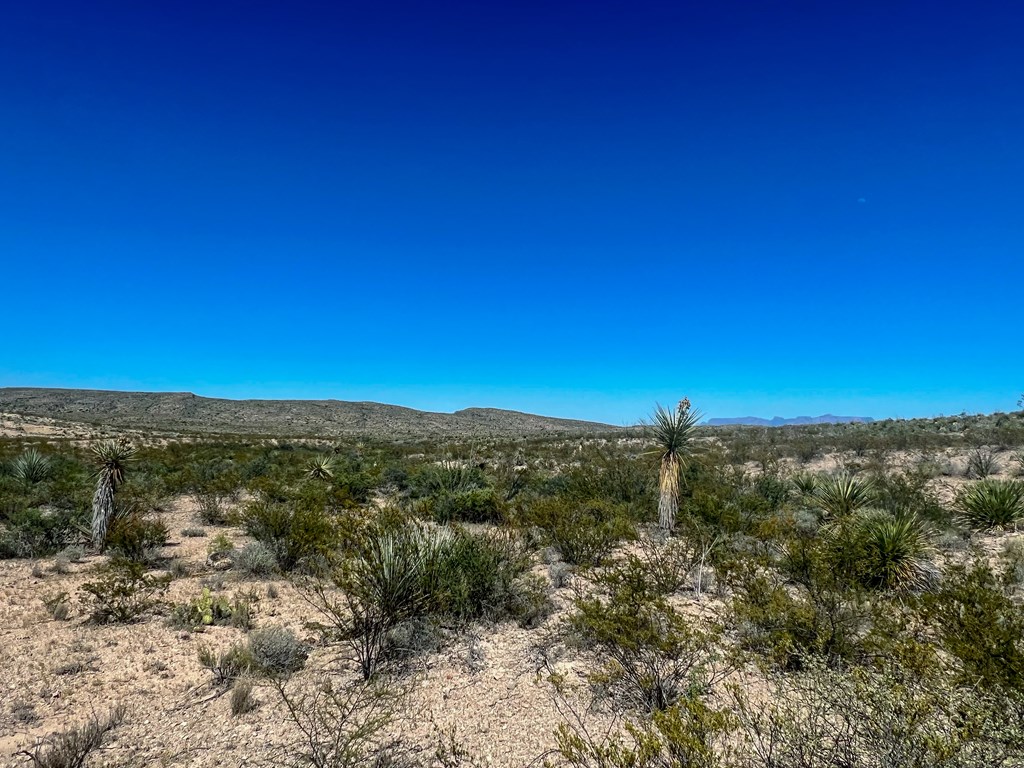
(573, 209)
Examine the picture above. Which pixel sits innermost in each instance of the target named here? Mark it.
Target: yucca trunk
(102, 509)
(668, 500)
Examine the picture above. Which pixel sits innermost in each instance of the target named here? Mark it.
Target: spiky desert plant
(672, 432)
(320, 468)
(31, 467)
(989, 504)
(111, 457)
(805, 484)
(892, 550)
(842, 494)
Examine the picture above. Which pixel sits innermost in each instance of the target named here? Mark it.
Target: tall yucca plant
(111, 457)
(672, 432)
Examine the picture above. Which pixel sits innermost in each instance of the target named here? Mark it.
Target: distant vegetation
(820, 595)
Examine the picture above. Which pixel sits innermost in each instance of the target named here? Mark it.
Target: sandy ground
(484, 688)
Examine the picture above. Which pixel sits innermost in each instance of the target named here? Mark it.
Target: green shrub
(584, 532)
(296, 533)
(37, 533)
(479, 505)
(652, 656)
(125, 594)
(134, 537)
(979, 624)
(989, 504)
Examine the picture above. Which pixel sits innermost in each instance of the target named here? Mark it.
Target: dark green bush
(134, 537)
(298, 532)
(480, 505)
(38, 533)
(585, 532)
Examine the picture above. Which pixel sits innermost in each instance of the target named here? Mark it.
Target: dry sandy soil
(485, 687)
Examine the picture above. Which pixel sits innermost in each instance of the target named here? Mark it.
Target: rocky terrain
(188, 413)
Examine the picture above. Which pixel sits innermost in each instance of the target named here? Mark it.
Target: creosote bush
(72, 748)
(585, 533)
(124, 594)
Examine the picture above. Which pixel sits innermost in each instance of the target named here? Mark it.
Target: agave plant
(31, 467)
(843, 494)
(672, 431)
(893, 551)
(989, 504)
(111, 458)
(320, 468)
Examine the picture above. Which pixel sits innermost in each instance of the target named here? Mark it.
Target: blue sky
(573, 209)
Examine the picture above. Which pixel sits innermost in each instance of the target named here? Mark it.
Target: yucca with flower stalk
(672, 431)
(111, 457)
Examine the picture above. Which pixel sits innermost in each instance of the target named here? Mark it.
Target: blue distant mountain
(778, 421)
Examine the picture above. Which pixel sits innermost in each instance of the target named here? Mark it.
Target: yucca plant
(843, 494)
(31, 467)
(672, 432)
(320, 468)
(989, 504)
(892, 551)
(111, 457)
(805, 484)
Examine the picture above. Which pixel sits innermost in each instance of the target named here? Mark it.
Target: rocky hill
(186, 412)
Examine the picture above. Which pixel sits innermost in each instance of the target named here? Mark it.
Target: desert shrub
(58, 606)
(883, 716)
(651, 656)
(72, 748)
(584, 532)
(989, 504)
(255, 559)
(1012, 561)
(193, 533)
(125, 593)
(242, 699)
(220, 544)
(980, 625)
(37, 533)
(401, 572)
(479, 505)
(981, 463)
(134, 537)
(689, 733)
(446, 478)
(275, 651)
(212, 510)
(899, 493)
(807, 606)
(341, 726)
(296, 533)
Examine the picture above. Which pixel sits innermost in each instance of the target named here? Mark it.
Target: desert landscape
(826, 594)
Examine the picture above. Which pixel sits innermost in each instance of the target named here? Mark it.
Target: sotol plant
(840, 495)
(31, 467)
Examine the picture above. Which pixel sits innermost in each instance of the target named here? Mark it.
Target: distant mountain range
(185, 412)
(778, 421)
